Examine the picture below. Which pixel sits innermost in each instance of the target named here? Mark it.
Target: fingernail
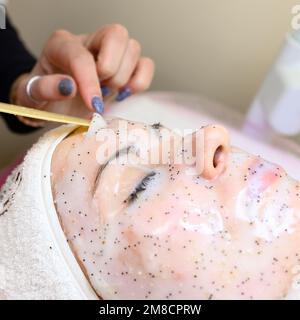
(65, 87)
(123, 94)
(97, 104)
(105, 91)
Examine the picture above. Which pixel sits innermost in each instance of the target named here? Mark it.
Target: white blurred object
(277, 104)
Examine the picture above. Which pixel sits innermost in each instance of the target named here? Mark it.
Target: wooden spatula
(41, 115)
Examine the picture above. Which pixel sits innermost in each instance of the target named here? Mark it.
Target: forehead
(121, 133)
(119, 125)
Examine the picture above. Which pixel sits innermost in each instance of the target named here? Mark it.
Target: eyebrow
(116, 155)
(156, 125)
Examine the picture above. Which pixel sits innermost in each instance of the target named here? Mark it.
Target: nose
(212, 159)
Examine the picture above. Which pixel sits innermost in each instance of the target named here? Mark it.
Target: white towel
(35, 259)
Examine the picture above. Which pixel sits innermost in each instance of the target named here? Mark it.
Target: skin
(106, 57)
(183, 237)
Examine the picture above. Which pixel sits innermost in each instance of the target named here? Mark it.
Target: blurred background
(221, 49)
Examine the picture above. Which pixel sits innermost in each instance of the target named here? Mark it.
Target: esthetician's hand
(104, 63)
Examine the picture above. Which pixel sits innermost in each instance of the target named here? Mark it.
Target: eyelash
(142, 186)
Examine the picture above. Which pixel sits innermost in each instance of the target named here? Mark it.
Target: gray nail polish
(123, 94)
(65, 87)
(97, 104)
(105, 91)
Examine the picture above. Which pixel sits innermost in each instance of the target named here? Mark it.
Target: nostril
(215, 155)
(218, 156)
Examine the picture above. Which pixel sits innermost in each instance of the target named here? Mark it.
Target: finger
(140, 80)
(54, 87)
(127, 67)
(66, 51)
(47, 88)
(109, 45)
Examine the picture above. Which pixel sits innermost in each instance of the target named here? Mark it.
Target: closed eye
(142, 186)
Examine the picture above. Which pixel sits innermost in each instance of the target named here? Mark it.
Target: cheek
(187, 213)
(143, 255)
(153, 234)
(160, 248)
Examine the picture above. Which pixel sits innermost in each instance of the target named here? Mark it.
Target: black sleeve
(15, 60)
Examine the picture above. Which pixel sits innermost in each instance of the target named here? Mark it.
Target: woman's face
(161, 231)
